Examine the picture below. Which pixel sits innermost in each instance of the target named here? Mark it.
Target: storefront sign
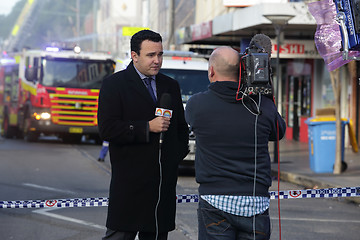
(295, 49)
(201, 31)
(129, 31)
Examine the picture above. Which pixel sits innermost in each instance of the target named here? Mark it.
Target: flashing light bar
(52, 49)
(7, 61)
(77, 49)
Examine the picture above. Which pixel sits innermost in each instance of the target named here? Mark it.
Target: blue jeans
(215, 224)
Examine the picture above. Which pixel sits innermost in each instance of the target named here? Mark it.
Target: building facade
(301, 76)
(304, 84)
(118, 20)
(112, 17)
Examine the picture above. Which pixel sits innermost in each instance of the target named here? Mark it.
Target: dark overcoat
(125, 107)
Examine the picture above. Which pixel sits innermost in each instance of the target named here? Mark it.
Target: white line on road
(47, 188)
(45, 211)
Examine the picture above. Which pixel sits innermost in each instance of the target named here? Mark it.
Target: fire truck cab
(57, 94)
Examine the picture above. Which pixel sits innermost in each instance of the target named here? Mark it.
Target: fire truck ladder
(23, 25)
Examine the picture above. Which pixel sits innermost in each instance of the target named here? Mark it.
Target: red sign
(50, 203)
(291, 48)
(295, 194)
(201, 31)
(295, 49)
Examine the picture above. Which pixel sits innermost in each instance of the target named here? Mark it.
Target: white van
(191, 71)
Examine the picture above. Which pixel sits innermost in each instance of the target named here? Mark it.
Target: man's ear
(211, 71)
(134, 56)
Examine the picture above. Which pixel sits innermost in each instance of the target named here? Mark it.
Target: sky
(6, 6)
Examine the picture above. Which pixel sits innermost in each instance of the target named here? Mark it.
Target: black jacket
(125, 107)
(225, 140)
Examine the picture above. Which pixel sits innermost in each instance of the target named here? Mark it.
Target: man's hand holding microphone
(161, 123)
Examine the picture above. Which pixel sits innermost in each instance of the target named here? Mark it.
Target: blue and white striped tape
(191, 198)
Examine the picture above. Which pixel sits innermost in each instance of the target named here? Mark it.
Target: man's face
(149, 61)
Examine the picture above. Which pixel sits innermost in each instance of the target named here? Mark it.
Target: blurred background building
(302, 79)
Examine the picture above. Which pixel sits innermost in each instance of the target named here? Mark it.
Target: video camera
(349, 10)
(255, 71)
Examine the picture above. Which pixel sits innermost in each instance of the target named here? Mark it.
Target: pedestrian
(232, 162)
(142, 197)
(103, 151)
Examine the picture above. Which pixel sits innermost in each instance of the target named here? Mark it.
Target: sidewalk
(295, 168)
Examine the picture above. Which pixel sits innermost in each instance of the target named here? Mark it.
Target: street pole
(94, 38)
(278, 21)
(278, 29)
(78, 18)
(171, 24)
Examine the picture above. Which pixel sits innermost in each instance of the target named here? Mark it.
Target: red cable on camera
(238, 91)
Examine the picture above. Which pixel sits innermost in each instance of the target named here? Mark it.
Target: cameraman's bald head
(224, 65)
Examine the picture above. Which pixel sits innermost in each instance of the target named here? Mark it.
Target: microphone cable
(255, 158)
(159, 196)
(255, 164)
(165, 102)
(257, 105)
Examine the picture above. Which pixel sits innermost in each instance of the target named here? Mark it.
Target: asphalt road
(50, 169)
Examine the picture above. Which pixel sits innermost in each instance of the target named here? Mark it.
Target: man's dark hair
(139, 37)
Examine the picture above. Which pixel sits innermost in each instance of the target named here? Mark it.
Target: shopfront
(298, 98)
(295, 103)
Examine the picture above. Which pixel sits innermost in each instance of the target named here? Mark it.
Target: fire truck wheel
(71, 138)
(8, 131)
(29, 136)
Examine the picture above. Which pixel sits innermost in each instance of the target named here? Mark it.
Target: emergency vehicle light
(7, 60)
(52, 49)
(181, 58)
(42, 116)
(77, 49)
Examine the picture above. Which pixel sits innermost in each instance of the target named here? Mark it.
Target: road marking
(100, 165)
(316, 220)
(47, 188)
(45, 211)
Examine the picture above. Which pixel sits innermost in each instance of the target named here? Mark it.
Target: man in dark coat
(232, 161)
(126, 118)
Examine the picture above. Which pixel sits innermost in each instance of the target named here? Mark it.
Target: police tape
(190, 198)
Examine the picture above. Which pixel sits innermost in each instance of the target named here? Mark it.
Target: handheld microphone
(163, 110)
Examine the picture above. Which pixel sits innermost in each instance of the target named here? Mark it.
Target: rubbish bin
(322, 143)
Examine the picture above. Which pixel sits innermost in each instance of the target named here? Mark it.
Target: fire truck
(52, 92)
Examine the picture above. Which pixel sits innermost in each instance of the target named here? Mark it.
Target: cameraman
(234, 183)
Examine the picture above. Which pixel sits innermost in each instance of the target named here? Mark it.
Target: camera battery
(258, 64)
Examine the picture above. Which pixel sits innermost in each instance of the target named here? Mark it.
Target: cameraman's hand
(159, 124)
